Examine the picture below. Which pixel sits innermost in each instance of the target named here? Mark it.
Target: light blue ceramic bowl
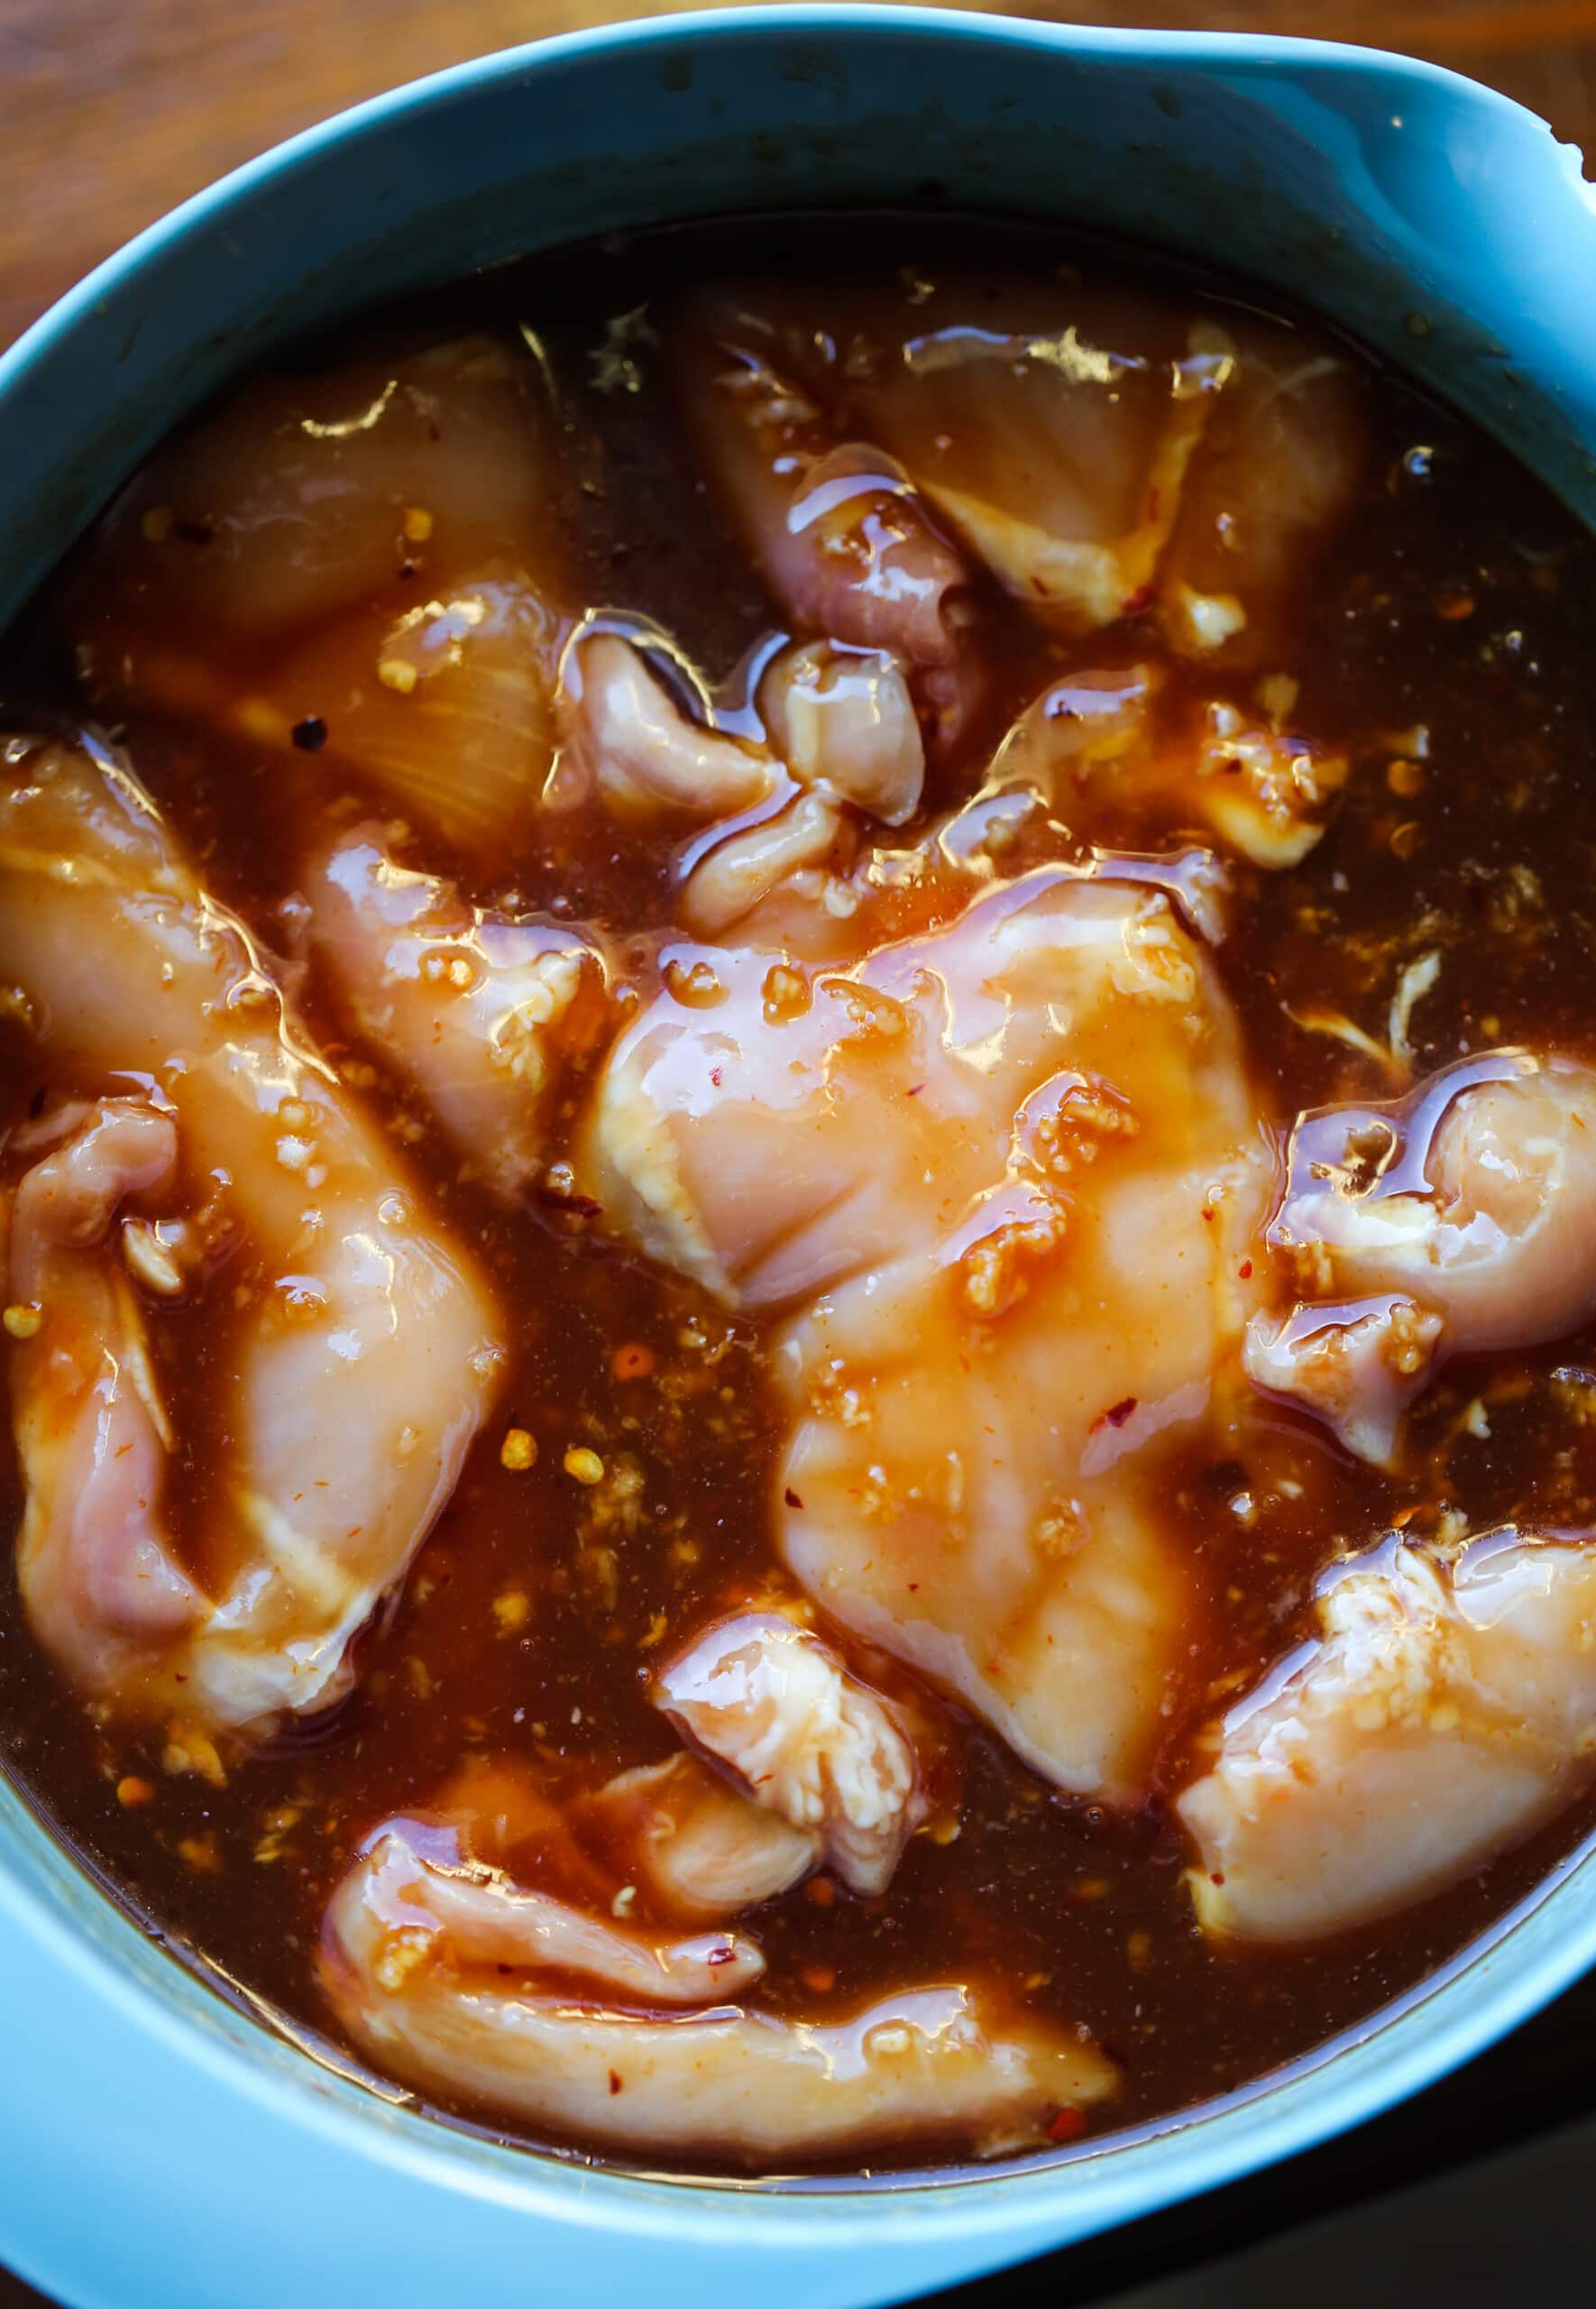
(161, 2150)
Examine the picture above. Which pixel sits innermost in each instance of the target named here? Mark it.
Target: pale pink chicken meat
(485, 1013)
(1057, 455)
(363, 1344)
(774, 1705)
(431, 1968)
(628, 737)
(1460, 1218)
(1103, 451)
(489, 1015)
(92, 1431)
(436, 1896)
(699, 1848)
(373, 552)
(946, 1515)
(849, 547)
(446, 706)
(1446, 1709)
(840, 744)
(844, 718)
(734, 883)
(298, 501)
(1101, 741)
(1008, 1176)
(661, 1845)
(1356, 1364)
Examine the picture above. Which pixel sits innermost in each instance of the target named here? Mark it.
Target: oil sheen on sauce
(618, 1496)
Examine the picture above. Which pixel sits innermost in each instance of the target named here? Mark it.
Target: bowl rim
(994, 2215)
(1240, 50)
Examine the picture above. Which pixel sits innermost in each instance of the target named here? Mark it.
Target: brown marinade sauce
(1458, 595)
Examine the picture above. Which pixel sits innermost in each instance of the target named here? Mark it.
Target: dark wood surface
(113, 110)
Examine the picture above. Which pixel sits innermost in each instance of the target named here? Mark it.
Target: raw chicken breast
(699, 1848)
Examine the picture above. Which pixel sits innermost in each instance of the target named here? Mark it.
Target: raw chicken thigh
(293, 504)
(1009, 1174)
(226, 1164)
(1460, 1218)
(849, 547)
(680, 1149)
(469, 1981)
(380, 542)
(841, 744)
(1446, 1710)
(806, 1739)
(486, 1012)
(1098, 449)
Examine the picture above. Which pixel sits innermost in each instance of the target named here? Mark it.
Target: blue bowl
(160, 2148)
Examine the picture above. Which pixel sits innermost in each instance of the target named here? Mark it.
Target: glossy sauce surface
(1443, 646)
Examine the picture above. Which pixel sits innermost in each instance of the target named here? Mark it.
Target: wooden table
(113, 110)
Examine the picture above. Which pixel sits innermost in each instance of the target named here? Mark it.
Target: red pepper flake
(715, 1076)
(821, 1891)
(820, 1978)
(792, 1498)
(1217, 1877)
(1245, 1270)
(579, 1206)
(1068, 2125)
(615, 2080)
(1209, 1217)
(1115, 1415)
(633, 1361)
(1142, 599)
(915, 1090)
(721, 1956)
